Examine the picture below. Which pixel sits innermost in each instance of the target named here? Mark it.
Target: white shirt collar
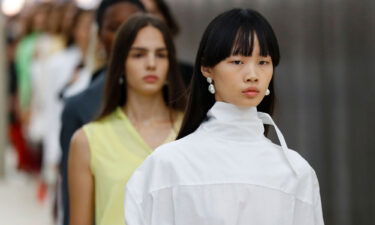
(233, 122)
(241, 124)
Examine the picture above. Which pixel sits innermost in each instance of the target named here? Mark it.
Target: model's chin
(244, 103)
(241, 100)
(150, 89)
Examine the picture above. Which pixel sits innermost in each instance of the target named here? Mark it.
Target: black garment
(79, 110)
(12, 79)
(97, 74)
(12, 91)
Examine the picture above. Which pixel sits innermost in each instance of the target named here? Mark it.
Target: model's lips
(150, 78)
(251, 92)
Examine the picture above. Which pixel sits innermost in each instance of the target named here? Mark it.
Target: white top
(225, 173)
(49, 76)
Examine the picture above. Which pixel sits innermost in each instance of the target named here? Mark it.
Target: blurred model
(142, 109)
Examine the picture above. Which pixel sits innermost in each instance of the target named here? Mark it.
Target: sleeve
(132, 210)
(309, 213)
(318, 213)
(143, 204)
(136, 212)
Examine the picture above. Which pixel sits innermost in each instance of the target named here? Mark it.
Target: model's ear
(206, 71)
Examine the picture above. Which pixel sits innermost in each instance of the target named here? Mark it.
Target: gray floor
(18, 198)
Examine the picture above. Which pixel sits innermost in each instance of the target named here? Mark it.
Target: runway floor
(19, 204)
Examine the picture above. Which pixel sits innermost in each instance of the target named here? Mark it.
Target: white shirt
(225, 173)
(50, 75)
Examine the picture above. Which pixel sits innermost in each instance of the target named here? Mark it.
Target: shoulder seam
(258, 185)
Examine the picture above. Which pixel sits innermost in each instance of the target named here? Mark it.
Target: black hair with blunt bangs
(174, 92)
(230, 33)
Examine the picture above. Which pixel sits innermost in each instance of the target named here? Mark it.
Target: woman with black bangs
(222, 170)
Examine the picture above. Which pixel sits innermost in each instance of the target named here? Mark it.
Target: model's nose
(151, 63)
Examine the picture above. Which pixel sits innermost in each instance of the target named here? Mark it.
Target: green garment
(24, 55)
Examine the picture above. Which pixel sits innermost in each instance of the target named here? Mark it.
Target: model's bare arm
(81, 181)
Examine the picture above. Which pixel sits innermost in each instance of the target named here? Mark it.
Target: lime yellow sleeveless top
(117, 149)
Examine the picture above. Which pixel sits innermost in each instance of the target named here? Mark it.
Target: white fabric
(37, 126)
(225, 173)
(49, 76)
(83, 81)
(58, 72)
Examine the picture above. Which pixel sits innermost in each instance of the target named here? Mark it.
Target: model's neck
(144, 108)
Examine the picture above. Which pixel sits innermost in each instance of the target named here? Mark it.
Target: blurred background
(325, 89)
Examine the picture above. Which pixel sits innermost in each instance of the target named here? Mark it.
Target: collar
(235, 123)
(242, 124)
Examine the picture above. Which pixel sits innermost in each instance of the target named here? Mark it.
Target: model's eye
(264, 62)
(137, 54)
(162, 55)
(237, 62)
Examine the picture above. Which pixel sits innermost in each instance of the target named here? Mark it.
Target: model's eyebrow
(239, 56)
(146, 49)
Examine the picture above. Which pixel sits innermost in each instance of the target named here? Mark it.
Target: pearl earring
(268, 92)
(211, 87)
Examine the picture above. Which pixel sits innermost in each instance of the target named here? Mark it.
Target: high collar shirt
(225, 173)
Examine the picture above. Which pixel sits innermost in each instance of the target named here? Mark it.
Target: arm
(70, 122)
(81, 181)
